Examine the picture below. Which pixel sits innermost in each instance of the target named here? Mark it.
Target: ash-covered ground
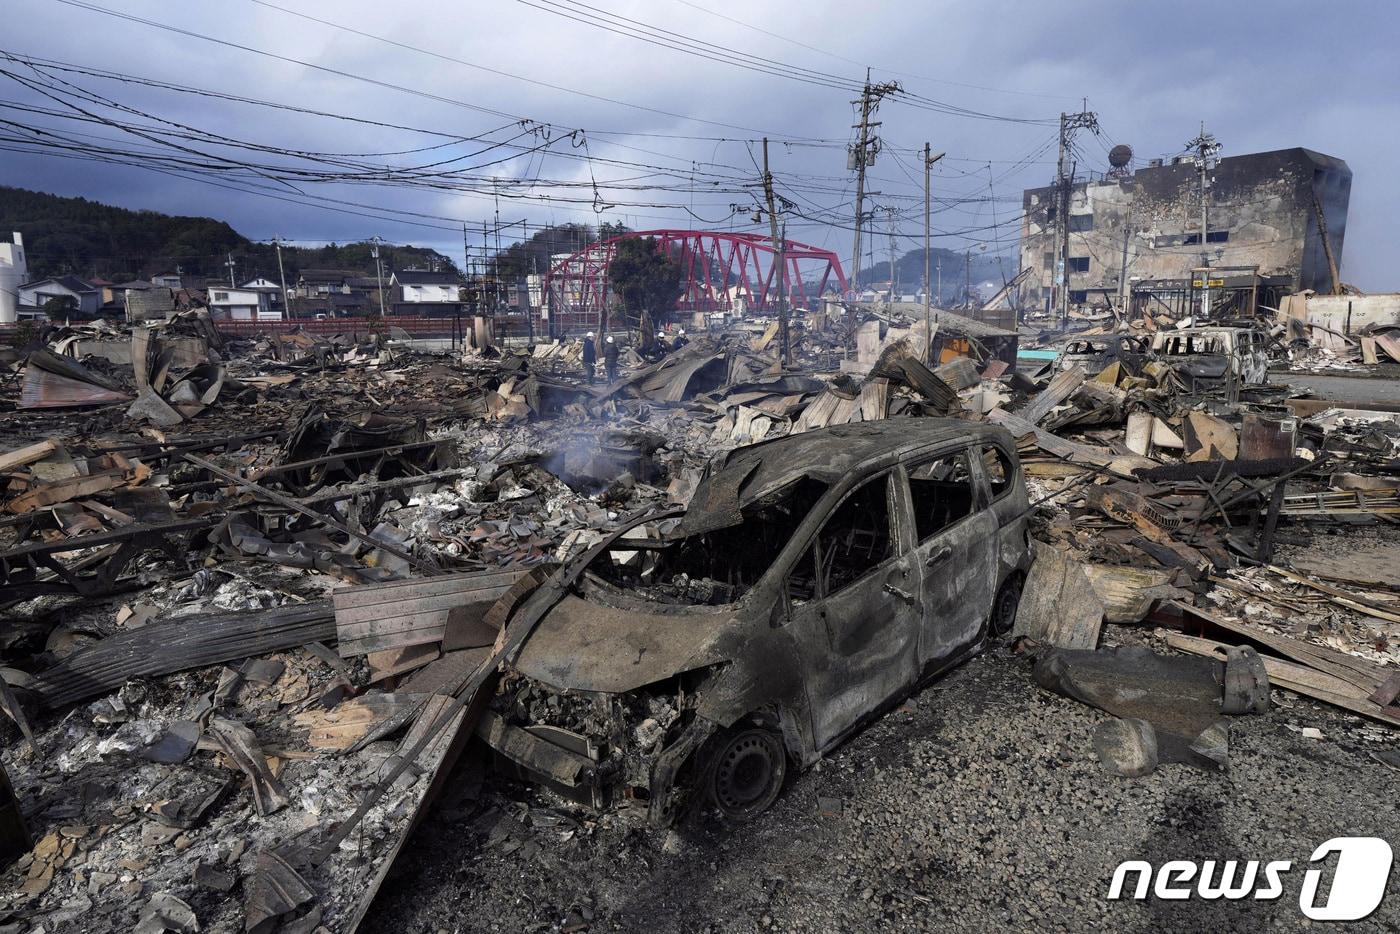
(978, 805)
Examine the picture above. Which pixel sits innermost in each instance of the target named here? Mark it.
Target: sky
(532, 109)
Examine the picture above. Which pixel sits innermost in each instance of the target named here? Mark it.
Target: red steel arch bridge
(721, 270)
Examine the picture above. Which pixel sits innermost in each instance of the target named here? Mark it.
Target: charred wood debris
(251, 588)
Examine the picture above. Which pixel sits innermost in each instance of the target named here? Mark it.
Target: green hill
(91, 239)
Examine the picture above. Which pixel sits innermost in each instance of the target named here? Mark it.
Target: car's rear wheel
(1004, 607)
(745, 772)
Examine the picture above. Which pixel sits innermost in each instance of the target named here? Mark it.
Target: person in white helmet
(610, 350)
(590, 356)
(680, 341)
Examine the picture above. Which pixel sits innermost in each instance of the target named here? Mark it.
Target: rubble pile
(252, 588)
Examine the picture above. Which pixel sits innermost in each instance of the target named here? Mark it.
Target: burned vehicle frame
(1210, 358)
(815, 580)
(1098, 353)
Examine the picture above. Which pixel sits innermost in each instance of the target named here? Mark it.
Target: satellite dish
(1120, 155)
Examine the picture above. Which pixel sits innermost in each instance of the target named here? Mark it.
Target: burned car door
(956, 552)
(853, 604)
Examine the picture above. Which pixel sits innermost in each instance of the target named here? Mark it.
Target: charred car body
(1096, 354)
(814, 580)
(1210, 358)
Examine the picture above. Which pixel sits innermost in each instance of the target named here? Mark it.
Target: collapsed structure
(263, 595)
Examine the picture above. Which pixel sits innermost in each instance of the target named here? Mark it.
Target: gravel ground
(977, 806)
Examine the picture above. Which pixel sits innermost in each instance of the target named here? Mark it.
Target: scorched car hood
(583, 645)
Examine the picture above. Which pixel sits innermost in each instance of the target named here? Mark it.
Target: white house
(267, 286)
(433, 287)
(83, 297)
(241, 305)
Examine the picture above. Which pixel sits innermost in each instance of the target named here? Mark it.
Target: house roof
(423, 277)
(329, 275)
(71, 283)
(133, 284)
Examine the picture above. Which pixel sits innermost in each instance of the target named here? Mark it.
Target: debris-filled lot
(900, 636)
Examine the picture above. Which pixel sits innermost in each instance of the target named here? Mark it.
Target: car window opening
(942, 492)
(718, 566)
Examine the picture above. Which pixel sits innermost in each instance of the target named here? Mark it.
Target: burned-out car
(815, 579)
(1096, 354)
(1210, 358)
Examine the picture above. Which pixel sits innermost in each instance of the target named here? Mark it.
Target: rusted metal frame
(392, 450)
(288, 502)
(163, 450)
(119, 548)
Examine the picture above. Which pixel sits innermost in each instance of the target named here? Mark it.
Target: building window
(1217, 236)
(1081, 222)
(220, 296)
(1078, 296)
(1079, 264)
(1049, 260)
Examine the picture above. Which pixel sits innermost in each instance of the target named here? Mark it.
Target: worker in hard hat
(679, 341)
(610, 349)
(590, 356)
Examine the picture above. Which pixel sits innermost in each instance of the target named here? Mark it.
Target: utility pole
(929, 160)
(863, 154)
(894, 273)
(282, 274)
(379, 274)
(780, 260)
(1206, 147)
(940, 281)
(1124, 293)
(1069, 123)
(230, 265)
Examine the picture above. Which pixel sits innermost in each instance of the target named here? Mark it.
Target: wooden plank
(1296, 678)
(1356, 671)
(1385, 694)
(1350, 601)
(26, 455)
(396, 591)
(51, 494)
(1058, 390)
(354, 619)
(415, 612)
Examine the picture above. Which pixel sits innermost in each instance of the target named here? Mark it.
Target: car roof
(826, 454)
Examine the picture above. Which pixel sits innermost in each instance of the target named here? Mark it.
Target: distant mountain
(90, 239)
(984, 268)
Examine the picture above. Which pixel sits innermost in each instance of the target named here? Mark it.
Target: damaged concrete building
(1142, 231)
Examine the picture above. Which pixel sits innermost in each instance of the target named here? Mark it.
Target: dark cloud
(1260, 78)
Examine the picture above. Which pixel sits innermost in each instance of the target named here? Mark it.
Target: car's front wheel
(745, 771)
(1004, 608)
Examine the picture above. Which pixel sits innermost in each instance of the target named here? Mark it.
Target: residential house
(426, 294)
(313, 282)
(241, 305)
(272, 289)
(83, 297)
(169, 280)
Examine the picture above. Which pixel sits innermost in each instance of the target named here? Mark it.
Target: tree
(645, 277)
(59, 307)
